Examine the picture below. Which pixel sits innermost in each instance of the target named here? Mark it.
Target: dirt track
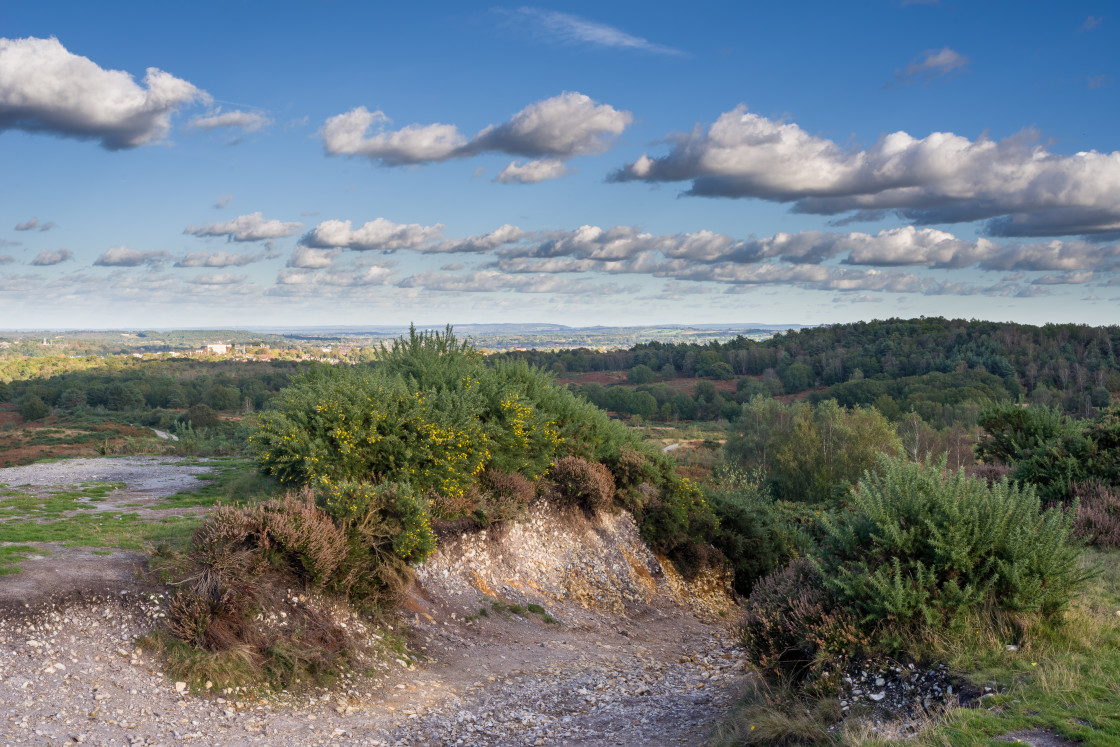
(70, 672)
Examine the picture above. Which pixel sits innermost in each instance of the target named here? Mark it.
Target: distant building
(219, 349)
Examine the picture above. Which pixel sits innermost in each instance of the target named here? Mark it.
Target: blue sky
(295, 163)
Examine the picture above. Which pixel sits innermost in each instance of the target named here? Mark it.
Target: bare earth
(629, 665)
(65, 572)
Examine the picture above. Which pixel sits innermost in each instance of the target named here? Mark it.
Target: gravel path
(73, 674)
(152, 476)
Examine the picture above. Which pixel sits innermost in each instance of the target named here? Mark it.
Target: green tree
(32, 407)
(641, 374)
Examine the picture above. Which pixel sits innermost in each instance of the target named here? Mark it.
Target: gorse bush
(375, 452)
(922, 547)
(1050, 450)
(756, 536)
(432, 416)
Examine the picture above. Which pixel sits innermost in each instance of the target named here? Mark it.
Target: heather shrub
(989, 473)
(579, 482)
(630, 468)
(922, 546)
(1098, 514)
(792, 623)
(502, 496)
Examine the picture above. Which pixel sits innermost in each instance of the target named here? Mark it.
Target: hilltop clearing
(586, 638)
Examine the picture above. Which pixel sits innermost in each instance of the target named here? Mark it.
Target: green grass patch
(68, 516)
(233, 480)
(54, 504)
(10, 555)
(125, 531)
(1064, 678)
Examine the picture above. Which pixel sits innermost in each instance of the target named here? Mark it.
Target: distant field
(23, 443)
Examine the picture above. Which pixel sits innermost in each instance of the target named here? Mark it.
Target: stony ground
(628, 663)
(74, 674)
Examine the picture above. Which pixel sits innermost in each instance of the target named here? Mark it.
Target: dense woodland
(928, 365)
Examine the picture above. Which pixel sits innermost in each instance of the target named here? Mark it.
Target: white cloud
(570, 124)
(45, 88)
(571, 29)
(561, 127)
(933, 63)
(312, 259)
(223, 202)
(1092, 22)
(531, 172)
(47, 258)
(1069, 278)
(7, 259)
(379, 234)
(247, 121)
(34, 224)
(218, 259)
(220, 278)
(941, 178)
(488, 281)
(122, 256)
(251, 227)
(486, 242)
(374, 274)
(345, 134)
(1062, 256)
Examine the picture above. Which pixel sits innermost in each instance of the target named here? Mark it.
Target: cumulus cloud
(489, 281)
(531, 172)
(377, 235)
(345, 134)
(47, 257)
(374, 274)
(942, 178)
(251, 227)
(312, 259)
(1061, 256)
(45, 88)
(218, 259)
(1069, 278)
(570, 124)
(485, 242)
(931, 64)
(220, 278)
(572, 29)
(122, 256)
(558, 128)
(247, 121)
(34, 224)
